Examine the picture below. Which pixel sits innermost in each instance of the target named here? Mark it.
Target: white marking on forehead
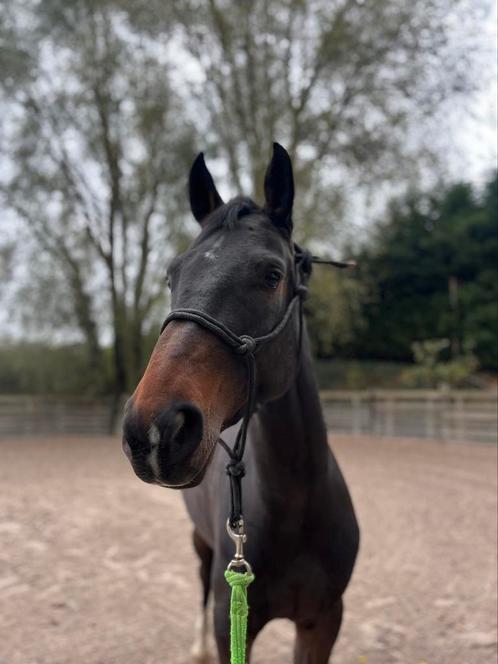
(212, 254)
(154, 435)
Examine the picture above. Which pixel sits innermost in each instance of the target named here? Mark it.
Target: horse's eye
(273, 278)
(168, 281)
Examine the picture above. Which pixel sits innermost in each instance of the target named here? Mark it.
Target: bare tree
(98, 154)
(348, 86)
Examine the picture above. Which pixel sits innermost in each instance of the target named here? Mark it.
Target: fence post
(446, 415)
(371, 412)
(356, 404)
(60, 412)
(459, 418)
(389, 424)
(430, 420)
(376, 422)
(28, 419)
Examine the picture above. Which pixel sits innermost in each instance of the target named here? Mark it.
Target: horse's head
(241, 271)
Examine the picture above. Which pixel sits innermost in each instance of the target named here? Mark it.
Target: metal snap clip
(239, 538)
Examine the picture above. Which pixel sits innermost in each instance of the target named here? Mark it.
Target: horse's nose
(177, 431)
(170, 436)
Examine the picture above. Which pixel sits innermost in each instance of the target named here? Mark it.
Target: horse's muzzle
(167, 448)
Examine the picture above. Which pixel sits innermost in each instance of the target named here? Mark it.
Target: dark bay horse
(302, 535)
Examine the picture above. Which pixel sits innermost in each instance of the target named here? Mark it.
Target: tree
(431, 274)
(107, 98)
(334, 311)
(99, 154)
(348, 86)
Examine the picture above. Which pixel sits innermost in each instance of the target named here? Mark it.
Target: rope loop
(248, 345)
(238, 579)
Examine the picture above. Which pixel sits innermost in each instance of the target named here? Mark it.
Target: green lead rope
(239, 610)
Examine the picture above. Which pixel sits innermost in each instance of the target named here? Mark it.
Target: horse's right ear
(279, 189)
(204, 198)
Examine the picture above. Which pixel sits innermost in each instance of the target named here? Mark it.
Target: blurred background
(388, 110)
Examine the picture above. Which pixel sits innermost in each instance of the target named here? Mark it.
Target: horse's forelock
(227, 215)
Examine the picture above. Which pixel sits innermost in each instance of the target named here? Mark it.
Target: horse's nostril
(181, 430)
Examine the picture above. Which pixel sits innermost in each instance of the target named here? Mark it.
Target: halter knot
(236, 469)
(248, 345)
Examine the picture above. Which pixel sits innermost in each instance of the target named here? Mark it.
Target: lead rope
(239, 611)
(247, 346)
(238, 582)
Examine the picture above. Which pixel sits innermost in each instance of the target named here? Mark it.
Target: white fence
(33, 415)
(448, 415)
(441, 415)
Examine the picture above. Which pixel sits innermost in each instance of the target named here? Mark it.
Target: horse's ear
(279, 189)
(204, 198)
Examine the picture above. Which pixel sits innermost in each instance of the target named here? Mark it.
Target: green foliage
(340, 374)
(433, 372)
(37, 368)
(333, 310)
(431, 274)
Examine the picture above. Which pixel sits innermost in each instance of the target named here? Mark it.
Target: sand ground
(97, 567)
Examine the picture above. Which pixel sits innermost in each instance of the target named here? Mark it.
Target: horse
(244, 272)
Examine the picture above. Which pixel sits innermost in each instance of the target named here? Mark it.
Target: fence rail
(34, 415)
(448, 415)
(444, 415)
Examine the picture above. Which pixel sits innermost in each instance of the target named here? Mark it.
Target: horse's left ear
(279, 189)
(204, 198)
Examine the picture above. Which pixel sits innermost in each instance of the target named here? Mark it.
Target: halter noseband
(247, 346)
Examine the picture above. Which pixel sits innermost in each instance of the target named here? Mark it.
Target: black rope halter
(247, 346)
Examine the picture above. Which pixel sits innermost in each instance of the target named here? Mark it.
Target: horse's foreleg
(200, 651)
(314, 642)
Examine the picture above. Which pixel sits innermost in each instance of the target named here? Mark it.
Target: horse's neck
(289, 435)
